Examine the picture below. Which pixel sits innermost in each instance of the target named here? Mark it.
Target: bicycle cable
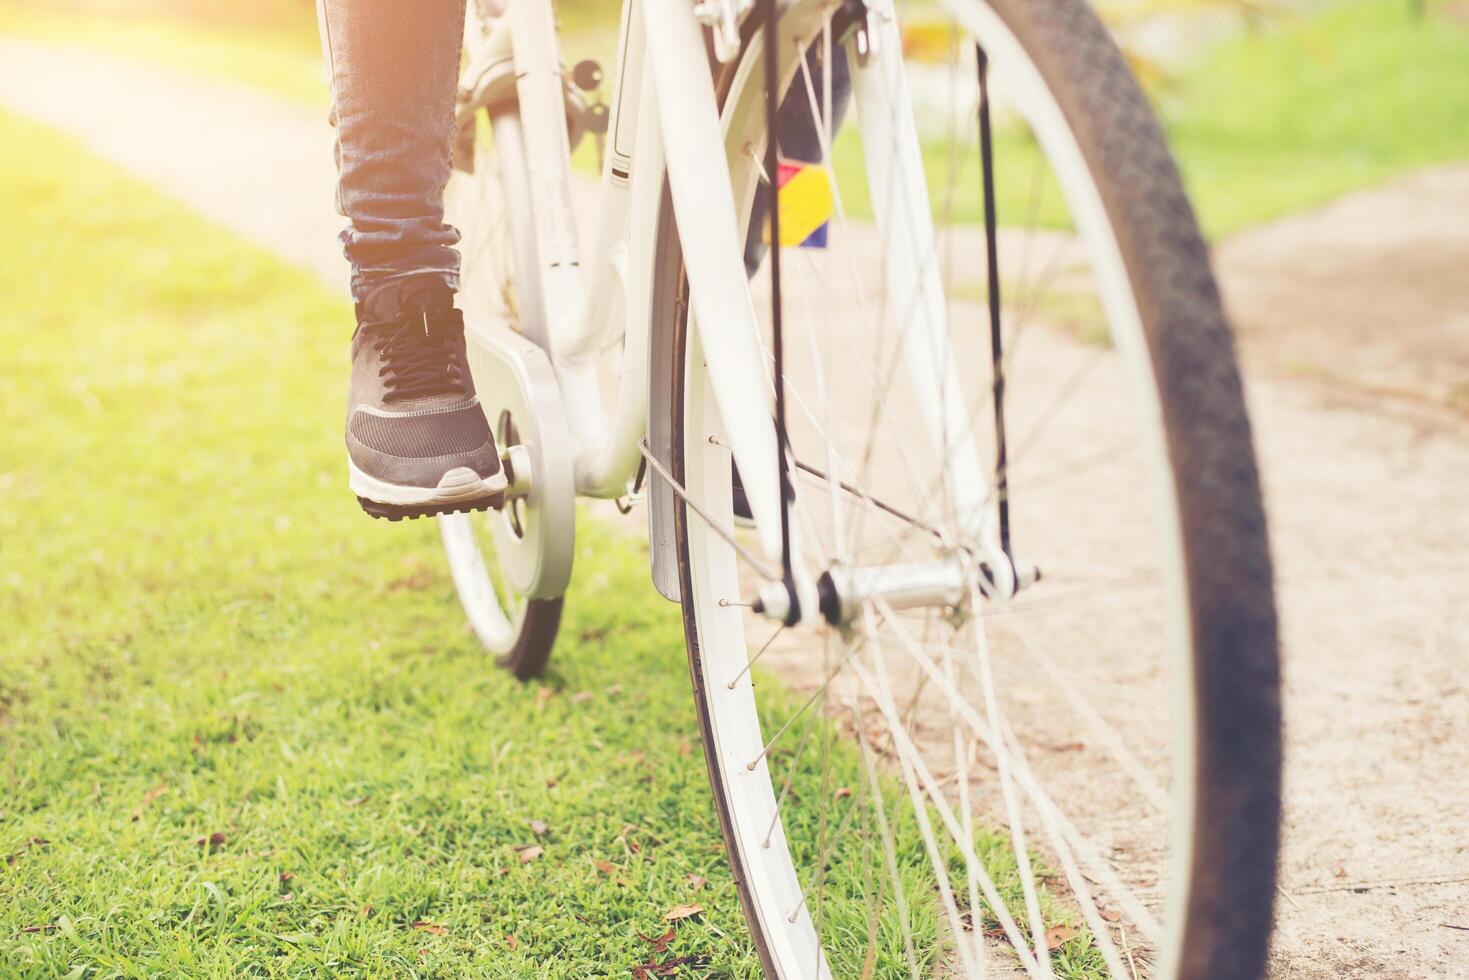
(992, 273)
(772, 172)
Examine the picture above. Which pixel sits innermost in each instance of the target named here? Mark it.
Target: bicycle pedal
(395, 513)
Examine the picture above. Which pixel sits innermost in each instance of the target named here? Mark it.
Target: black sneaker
(417, 439)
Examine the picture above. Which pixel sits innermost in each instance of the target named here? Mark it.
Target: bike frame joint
(722, 18)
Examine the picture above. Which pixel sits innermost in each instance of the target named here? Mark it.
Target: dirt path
(1355, 321)
(257, 165)
(1367, 292)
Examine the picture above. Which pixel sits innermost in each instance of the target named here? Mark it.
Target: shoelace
(420, 356)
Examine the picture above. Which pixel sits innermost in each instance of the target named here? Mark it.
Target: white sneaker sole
(460, 485)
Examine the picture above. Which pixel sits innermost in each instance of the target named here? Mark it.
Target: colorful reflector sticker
(805, 205)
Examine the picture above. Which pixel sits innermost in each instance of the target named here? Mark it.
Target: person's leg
(394, 69)
(417, 439)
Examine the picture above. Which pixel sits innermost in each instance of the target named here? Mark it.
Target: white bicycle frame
(665, 124)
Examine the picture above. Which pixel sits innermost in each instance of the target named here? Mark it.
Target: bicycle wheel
(493, 555)
(1076, 778)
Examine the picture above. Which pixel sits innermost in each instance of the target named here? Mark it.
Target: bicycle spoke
(981, 664)
(819, 692)
(1096, 866)
(919, 781)
(930, 842)
(1105, 734)
(745, 553)
(874, 783)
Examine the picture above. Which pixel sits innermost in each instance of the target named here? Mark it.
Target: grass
(245, 730)
(1294, 116)
(205, 637)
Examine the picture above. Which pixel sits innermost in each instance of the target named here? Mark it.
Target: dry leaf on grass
(680, 912)
(420, 579)
(667, 968)
(660, 943)
(287, 875)
(841, 793)
(581, 697)
(628, 842)
(697, 881)
(33, 842)
(610, 870)
(214, 840)
(1058, 936)
(544, 694)
(512, 942)
(539, 828)
(529, 854)
(432, 928)
(359, 800)
(149, 797)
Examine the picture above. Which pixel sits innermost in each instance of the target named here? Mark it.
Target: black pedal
(395, 513)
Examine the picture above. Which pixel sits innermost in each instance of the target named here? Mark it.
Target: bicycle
(954, 755)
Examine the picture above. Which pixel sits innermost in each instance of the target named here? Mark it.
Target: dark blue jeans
(394, 68)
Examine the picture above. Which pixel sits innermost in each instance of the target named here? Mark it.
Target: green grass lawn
(205, 639)
(1275, 122)
(244, 730)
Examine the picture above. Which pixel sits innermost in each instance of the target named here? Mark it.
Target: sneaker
(417, 439)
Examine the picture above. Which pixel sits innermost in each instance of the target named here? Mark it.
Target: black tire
(527, 660)
(1225, 541)
(1226, 550)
